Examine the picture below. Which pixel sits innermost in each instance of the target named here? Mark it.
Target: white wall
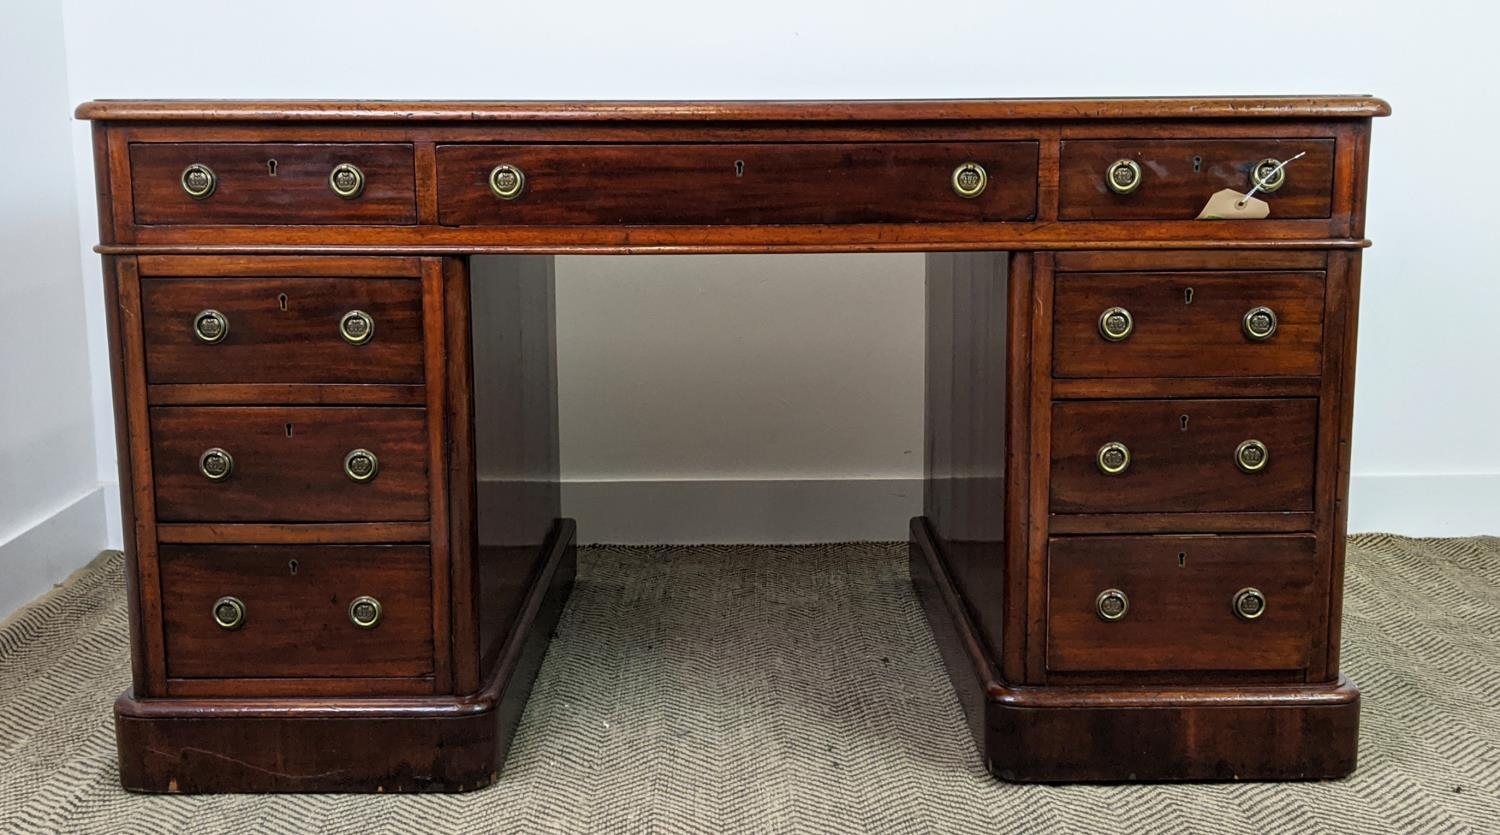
(51, 504)
(731, 398)
(685, 372)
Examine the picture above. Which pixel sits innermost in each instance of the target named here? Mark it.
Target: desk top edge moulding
(338, 439)
(1232, 107)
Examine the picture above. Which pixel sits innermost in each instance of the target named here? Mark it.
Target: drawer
(1180, 455)
(283, 330)
(1188, 324)
(767, 183)
(1177, 176)
(287, 464)
(274, 184)
(296, 611)
(1176, 599)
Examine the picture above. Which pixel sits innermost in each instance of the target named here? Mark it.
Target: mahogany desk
(1132, 548)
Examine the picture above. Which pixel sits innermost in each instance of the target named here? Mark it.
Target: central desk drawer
(1183, 456)
(258, 611)
(282, 330)
(290, 464)
(1189, 324)
(770, 183)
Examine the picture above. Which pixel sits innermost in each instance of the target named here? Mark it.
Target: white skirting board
(834, 510)
(1441, 504)
(765, 511)
(46, 552)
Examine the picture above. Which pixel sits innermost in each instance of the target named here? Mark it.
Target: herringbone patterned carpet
(793, 689)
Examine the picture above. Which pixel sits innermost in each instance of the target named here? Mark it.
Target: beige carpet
(792, 689)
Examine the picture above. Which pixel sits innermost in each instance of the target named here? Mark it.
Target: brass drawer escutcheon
(507, 181)
(1111, 605)
(357, 327)
(365, 612)
(361, 465)
(346, 180)
(1251, 456)
(1268, 175)
(199, 181)
(1113, 458)
(229, 613)
(216, 464)
(1116, 324)
(1259, 323)
(211, 326)
(1123, 176)
(970, 180)
(1249, 603)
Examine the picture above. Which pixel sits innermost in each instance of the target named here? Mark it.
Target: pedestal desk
(1132, 544)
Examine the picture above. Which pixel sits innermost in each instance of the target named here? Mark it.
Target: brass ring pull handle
(346, 180)
(210, 326)
(970, 180)
(1259, 323)
(1113, 458)
(1251, 456)
(1248, 604)
(229, 613)
(1123, 176)
(216, 464)
(1268, 175)
(507, 181)
(361, 465)
(356, 327)
(1116, 324)
(365, 612)
(199, 181)
(1111, 605)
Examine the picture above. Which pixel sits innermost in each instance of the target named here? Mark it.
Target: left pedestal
(345, 554)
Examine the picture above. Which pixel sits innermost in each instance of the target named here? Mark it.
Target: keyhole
(739, 168)
(281, 301)
(1187, 296)
(1182, 559)
(289, 430)
(1183, 420)
(292, 565)
(1197, 164)
(271, 167)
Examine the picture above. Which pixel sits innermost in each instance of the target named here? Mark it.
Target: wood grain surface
(1183, 470)
(1188, 324)
(282, 330)
(289, 464)
(1180, 591)
(1179, 175)
(296, 193)
(296, 601)
(741, 184)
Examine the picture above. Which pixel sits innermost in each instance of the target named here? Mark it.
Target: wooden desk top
(1234, 107)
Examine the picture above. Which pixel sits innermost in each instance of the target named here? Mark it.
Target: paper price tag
(1231, 205)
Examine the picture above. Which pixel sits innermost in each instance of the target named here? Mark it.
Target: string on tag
(1257, 180)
